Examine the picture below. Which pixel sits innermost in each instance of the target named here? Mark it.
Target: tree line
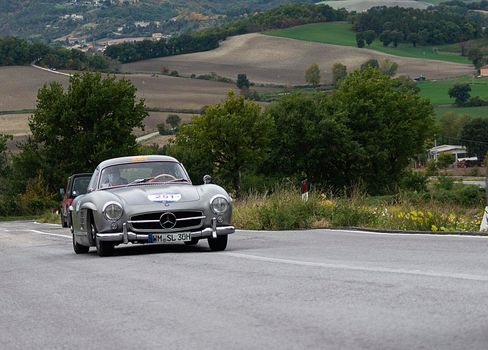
(364, 132)
(16, 51)
(443, 24)
(208, 39)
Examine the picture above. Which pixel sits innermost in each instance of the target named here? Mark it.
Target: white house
(459, 152)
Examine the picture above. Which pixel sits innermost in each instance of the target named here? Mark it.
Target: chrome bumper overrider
(127, 236)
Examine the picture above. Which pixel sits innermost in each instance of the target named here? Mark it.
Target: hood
(147, 194)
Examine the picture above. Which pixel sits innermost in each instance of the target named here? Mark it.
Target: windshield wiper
(178, 180)
(140, 181)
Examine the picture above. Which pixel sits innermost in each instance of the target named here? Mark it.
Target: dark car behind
(77, 184)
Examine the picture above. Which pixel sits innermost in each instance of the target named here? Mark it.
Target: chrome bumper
(128, 236)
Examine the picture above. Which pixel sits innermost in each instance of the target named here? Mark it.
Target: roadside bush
(444, 183)
(344, 215)
(163, 130)
(431, 168)
(413, 181)
(445, 160)
(458, 209)
(283, 209)
(460, 194)
(37, 198)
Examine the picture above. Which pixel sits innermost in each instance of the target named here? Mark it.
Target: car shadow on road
(145, 249)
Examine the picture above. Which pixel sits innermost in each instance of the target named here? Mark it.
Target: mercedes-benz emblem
(167, 220)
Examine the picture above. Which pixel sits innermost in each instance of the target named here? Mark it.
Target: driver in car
(113, 178)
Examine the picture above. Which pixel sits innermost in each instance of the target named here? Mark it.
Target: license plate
(170, 237)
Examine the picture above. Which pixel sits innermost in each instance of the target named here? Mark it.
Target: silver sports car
(148, 199)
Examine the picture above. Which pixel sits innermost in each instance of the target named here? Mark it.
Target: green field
(437, 90)
(340, 33)
(473, 112)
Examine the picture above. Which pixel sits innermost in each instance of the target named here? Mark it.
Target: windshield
(142, 172)
(80, 185)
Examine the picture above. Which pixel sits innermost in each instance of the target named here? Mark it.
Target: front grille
(149, 222)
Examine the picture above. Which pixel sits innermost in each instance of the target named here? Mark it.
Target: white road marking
(359, 268)
(45, 223)
(407, 234)
(48, 234)
(360, 232)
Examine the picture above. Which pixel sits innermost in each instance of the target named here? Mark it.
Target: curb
(438, 233)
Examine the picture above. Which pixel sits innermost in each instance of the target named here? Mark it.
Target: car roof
(81, 174)
(135, 159)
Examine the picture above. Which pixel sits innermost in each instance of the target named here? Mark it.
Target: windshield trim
(189, 182)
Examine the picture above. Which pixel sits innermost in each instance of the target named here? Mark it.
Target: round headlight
(219, 204)
(112, 211)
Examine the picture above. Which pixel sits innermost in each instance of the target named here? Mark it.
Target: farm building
(484, 71)
(459, 152)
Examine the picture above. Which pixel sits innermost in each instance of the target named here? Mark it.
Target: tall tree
(369, 36)
(390, 123)
(229, 137)
(242, 82)
(73, 131)
(174, 120)
(460, 92)
(314, 144)
(476, 56)
(388, 67)
(3, 153)
(475, 137)
(312, 74)
(339, 72)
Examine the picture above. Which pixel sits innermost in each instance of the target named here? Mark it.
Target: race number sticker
(164, 197)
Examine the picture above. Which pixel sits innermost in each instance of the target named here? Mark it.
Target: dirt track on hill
(267, 59)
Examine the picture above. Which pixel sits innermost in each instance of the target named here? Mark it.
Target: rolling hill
(273, 60)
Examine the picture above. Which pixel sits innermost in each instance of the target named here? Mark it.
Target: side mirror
(74, 194)
(61, 192)
(207, 179)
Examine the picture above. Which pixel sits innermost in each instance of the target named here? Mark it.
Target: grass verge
(457, 210)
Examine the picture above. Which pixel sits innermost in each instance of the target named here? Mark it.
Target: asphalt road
(316, 289)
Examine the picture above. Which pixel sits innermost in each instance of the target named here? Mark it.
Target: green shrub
(467, 195)
(444, 160)
(352, 216)
(444, 183)
(280, 210)
(413, 181)
(431, 168)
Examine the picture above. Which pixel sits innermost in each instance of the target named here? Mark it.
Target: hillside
(275, 60)
(51, 19)
(364, 5)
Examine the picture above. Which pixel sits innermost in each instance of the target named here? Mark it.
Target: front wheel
(104, 248)
(78, 248)
(217, 244)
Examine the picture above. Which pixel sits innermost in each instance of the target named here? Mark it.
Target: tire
(194, 241)
(63, 221)
(217, 244)
(104, 248)
(78, 248)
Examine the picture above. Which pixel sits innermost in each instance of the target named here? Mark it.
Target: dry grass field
(21, 84)
(14, 124)
(274, 60)
(19, 91)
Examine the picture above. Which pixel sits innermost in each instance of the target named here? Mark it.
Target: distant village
(84, 43)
